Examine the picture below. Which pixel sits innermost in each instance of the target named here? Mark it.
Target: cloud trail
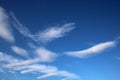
(46, 35)
(5, 30)
(92, 50)
(55, 32)
(20, 51)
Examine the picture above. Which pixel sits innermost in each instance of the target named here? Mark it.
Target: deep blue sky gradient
(96, 21)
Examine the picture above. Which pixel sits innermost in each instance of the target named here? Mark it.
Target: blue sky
(59, 40)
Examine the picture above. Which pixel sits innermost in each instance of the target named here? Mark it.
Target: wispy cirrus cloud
(23, 63)
(54, 32)
(26, 68)
(32, 66)
(20, 51)
(7, 58)
(42, 55)
(5, 31)
(46, 35)
(48, 75)
(65, 74)
(48, 71)
(92, 50)
(20, 27)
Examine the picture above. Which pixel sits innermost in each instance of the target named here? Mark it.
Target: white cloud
(54, 32)
(56, 72)
(45, 55)
(22, 63)
(92, 50)
(27, 71)
(39, 68)
(5, 31)
(31, 66)
(48, 71)
(47, 75)
(45, 35)
(20, 51)
(7, 58)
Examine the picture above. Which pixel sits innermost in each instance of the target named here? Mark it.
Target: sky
(59, 40)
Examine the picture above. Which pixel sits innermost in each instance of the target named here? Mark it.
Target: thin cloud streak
(48, 75)
(20, 51)
(54, 32)
(48, 71)
(65, 74)
(46, 35)
(5, 30)
(22, 63)
(92, 50)
(42, 55)
(32, 66)
(7, 58)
